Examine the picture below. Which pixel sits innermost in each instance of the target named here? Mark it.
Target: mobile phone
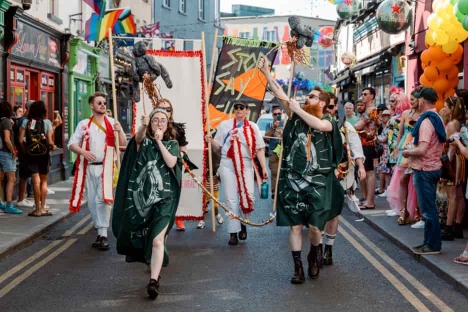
(278, 117)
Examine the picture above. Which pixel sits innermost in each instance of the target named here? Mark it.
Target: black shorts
(39, 164)
(23, 169)
(370, 153)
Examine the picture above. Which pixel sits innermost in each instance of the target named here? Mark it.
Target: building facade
(276, 28)
(247, 10)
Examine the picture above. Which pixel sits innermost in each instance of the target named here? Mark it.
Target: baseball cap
(239, 103)
(428, 94)
(386, 112)
(381, 107)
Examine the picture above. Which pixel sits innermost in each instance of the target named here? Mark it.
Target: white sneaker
(219, 218)
(418, 225)
(201, 224)
(391, 214)
(24, 203)
(49, 191)
(388, 211)
(383, 195)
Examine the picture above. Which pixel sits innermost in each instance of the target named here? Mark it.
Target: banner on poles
(236, 78)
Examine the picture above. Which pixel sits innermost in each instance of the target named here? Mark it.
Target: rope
(229, 213)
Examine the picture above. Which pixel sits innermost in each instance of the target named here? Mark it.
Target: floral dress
(384, 164)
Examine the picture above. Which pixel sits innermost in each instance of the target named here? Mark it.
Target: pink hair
(402, 98)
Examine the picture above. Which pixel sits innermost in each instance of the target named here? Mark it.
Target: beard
(313, 109)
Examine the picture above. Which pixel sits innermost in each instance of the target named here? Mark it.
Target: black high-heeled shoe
(153, 289)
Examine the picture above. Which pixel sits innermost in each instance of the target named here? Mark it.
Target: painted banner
(186, 96)
(236, 78)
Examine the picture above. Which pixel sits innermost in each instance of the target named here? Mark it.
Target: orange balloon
(426, 57)
(441, 85)
(457, 55)
(448, 93)
(445, 65)
(452, 73)
(453, 83)
(436, 54)
(439, 104)
(424, 65)
(431, 73)
(424, 81)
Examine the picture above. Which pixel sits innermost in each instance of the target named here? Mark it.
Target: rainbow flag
(119, 20)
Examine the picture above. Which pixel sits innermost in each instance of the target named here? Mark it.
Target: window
(182, 8)
(270, 35)
(52, 7)
(201, 9)
(167, 3)
(245, 35)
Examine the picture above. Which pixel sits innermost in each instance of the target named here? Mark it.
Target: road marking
(5, 290)
(20, 266)
(76, 226)
(86, 229)
(405, 292)
(412, 280)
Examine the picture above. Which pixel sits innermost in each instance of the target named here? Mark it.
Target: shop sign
(81, 66)
(104, 67)
(376, 42)
(36, 45)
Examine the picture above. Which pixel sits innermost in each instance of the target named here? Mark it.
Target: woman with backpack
(35, 137)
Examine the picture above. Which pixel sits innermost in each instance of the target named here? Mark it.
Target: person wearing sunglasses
(275, 131)
(367, 128)
(311, 193)
(239, 141)
(94, 143)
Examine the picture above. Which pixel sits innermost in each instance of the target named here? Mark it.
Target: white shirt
(354, 142)
(97, 138)
(223, 130)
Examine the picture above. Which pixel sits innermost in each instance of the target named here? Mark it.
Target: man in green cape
(312, 149)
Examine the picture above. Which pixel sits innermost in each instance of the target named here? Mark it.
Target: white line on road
(86, 229)
(76, 226)
(442, 306)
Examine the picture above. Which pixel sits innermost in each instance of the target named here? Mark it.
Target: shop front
(82, 67)
(4, 5)
(35, 60)
(123, 85)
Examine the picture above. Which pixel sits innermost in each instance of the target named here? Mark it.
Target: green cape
(146, 199)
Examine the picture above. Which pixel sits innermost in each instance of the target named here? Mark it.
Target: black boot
(313, 269)
(328, 256)
(153, 289)
(458, 231)
(233, 240)
(447, 233)
(243, 232)
(320, 255)
(298, 277)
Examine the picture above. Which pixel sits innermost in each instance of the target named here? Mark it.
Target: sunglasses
(167, 109)
(313, 96)
(331, 106)
(239, 107)
(277, 114)
(364, 94)
(101, 103)
(392, 101)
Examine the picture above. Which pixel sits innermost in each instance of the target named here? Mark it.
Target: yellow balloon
(440, 37)
(450, 47)
(448, 9)
(432, 21)
(429, 39)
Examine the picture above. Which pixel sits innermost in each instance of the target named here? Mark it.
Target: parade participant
(93, 142)
(179, 129)
(429, 135)
(350, 139)
(240, 141)
(312, 149)
(147, 195)
(368, 131)
(276, 130)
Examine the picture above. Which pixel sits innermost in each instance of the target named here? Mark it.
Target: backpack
(36, 141)
(1, 137)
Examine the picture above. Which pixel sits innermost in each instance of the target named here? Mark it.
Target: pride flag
(119, 20)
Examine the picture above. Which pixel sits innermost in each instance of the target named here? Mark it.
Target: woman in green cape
(147, 195)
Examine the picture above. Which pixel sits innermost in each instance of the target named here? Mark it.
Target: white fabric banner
(186, 96)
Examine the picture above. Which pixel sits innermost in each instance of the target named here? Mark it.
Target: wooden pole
(114, 96)
(208, 125)
(291, 74)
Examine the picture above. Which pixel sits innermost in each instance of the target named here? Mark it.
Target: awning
(341, 78)
(366, 66)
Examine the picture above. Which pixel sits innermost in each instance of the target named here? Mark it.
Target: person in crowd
(94, 143)
(7, 158)
(352, 142)
(147, 195)
(36, 143)
(275, 131)
(166, 105)
(308, 183)
(424, 158)
(239, 141)
(350, 115)
(384, 168)
(18, 111)
(463, 258)
(401, 193)
(367, 126)
(361, 108)
(109, 113)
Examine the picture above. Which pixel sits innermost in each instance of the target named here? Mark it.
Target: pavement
(405, 237)
(18, 231)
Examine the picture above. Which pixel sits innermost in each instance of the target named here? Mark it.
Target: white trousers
(229, 189)
(100, 211)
